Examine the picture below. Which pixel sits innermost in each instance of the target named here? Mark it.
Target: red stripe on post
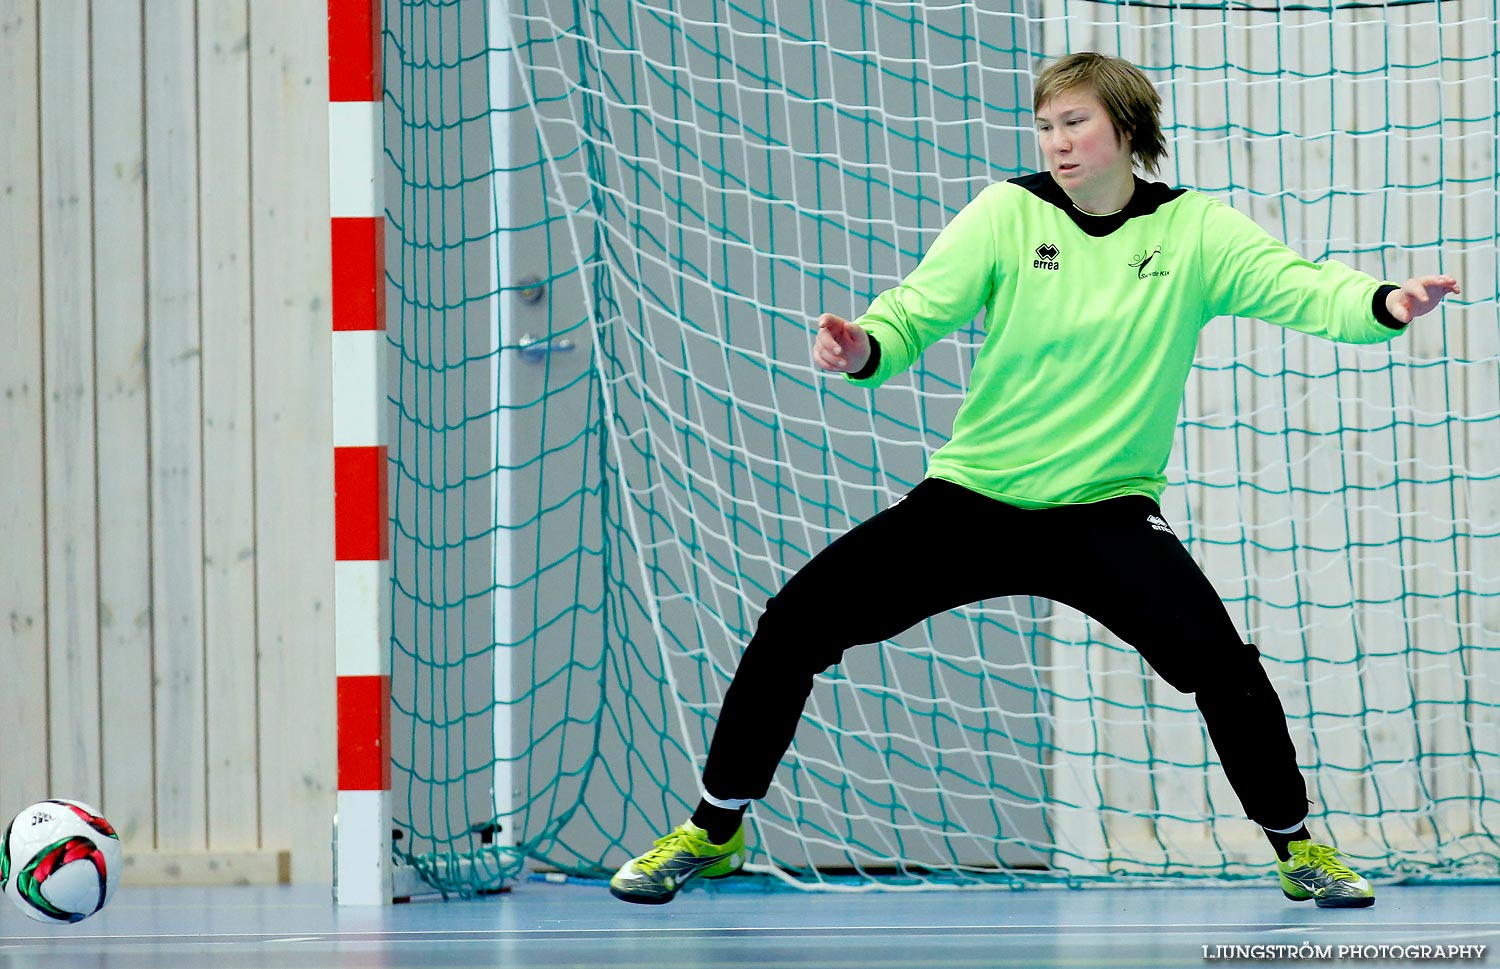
(358, 273)
(353, 50)
(360, 519)
(364, 733)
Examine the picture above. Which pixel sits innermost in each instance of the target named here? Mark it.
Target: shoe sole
(625, 896)
(1345, 902)
(643, 899)
(1331, 902)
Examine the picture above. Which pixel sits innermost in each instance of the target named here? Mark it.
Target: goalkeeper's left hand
(1420, 295)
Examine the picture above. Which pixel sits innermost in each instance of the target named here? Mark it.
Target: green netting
(611, 227)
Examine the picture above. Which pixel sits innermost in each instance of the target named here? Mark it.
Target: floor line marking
(844, 929)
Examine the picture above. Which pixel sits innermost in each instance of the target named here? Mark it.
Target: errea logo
(1046, 257)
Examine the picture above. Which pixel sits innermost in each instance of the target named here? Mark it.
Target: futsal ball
(59, 861)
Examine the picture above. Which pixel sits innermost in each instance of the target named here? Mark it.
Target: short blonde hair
(1133, 105)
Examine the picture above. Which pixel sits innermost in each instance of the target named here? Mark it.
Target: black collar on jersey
(1147, 198)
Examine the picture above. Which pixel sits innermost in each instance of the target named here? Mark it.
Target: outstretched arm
(1419, 296)
(950, 285)
(1247, 272)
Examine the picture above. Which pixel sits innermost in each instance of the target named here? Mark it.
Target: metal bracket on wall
(535, 349)
(530, 289)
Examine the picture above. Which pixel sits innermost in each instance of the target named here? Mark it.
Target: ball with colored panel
(60, 861)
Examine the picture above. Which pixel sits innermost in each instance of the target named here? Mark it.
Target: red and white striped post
(362, 839)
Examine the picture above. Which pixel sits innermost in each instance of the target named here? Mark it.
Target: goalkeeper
(1094, 285)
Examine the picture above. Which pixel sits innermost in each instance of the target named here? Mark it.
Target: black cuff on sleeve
(872, 364)
(1377, 306)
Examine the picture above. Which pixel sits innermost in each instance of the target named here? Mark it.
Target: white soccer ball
(60, 861)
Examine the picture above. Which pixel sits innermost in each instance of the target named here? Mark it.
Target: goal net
(611, 229)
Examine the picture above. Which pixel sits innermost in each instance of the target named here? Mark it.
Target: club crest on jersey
(1140, 262)
(1046, 257)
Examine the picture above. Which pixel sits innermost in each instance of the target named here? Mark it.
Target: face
(1079, 143)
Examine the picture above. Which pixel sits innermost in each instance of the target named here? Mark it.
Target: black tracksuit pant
(943, 546)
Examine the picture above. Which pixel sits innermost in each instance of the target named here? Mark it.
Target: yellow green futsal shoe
(1314, 872)
(686, 853)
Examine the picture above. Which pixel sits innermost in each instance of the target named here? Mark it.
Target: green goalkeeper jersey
(1091, 323)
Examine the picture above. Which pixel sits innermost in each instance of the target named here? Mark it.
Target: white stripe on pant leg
(1295, 827)
(728, 805)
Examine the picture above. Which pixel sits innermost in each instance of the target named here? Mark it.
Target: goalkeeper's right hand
(841, 346)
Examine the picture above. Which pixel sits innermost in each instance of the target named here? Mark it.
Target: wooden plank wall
(164, 403)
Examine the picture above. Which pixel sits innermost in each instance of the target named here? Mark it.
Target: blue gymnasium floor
(547, 925)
